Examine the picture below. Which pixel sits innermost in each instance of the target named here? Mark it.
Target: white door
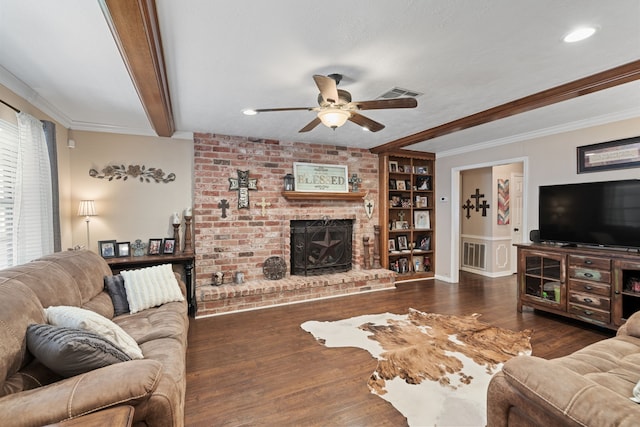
(515, 206)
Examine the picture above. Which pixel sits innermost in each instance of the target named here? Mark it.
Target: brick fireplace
(243, 240)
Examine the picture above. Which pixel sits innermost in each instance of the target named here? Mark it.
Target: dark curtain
(50, 135)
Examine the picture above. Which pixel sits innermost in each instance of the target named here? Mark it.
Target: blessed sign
(321, 178)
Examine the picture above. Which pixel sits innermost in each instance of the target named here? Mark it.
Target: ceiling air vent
(397, 92)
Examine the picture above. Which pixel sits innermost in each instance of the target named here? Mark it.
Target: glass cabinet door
(543, 276)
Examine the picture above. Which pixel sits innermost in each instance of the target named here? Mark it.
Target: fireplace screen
(321, 246)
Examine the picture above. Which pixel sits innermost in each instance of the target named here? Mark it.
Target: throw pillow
(150, 287)
(115, 288)
(69, 352)
(79, 318)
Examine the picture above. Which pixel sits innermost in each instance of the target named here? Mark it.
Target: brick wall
(245, 238)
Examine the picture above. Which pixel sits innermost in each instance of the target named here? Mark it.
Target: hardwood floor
(261, 368)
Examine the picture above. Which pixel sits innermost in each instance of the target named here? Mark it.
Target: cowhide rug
(433, 368)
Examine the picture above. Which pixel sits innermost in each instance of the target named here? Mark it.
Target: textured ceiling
(224, 56)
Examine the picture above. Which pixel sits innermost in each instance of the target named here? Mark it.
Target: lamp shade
(333, 117)
(87, 208)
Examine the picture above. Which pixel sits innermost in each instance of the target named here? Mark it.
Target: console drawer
(590, 262)
(589, 314)
(590, 300)
(584, 273)
(603, 289)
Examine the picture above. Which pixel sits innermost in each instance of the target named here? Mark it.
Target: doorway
(511, 233)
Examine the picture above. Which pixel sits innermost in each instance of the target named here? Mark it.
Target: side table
(187, 261)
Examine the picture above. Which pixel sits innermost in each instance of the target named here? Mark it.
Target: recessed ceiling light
(579, 34)
(249, 112)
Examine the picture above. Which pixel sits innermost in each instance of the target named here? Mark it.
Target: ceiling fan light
(333, 117)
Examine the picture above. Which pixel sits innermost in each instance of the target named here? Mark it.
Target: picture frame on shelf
(123, 249)
(400, 185)
(169, 246)
(421, 220)
(422, 170)
(401, 225)
(423, 183)
(393, 166)
(154, 247)
(403, 243)
(407, 184)
(392, 184)
(107, 248)
(392, 245)
(423, 242)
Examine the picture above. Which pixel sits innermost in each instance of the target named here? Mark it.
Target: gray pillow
(69, 352)
(116, 290)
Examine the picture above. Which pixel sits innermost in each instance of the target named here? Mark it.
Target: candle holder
(176, 236)
(188, 246)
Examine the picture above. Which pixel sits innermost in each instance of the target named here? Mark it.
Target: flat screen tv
(593, 213)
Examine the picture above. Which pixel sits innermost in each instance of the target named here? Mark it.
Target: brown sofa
(32, 395)
(590, 387)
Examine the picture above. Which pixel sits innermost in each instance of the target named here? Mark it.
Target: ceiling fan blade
(312, 124)
(366, 122)
(379, 104)
(266, 110)
(328, 88)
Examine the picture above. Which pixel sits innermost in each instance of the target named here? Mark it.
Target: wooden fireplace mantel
(304, 195)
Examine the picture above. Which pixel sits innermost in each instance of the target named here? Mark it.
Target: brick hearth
(263, 293)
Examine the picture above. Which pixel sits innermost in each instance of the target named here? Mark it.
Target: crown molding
(539, 133)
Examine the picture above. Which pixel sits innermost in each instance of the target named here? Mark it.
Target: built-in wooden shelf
(308, 195)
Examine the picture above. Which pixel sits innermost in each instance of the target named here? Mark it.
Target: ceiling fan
(336, 107)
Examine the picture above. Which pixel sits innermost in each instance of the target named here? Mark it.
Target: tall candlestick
(188, 248)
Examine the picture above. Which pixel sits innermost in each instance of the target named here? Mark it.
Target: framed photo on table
(155, 247)
(169, 246)
(107, 248)
(123, 249)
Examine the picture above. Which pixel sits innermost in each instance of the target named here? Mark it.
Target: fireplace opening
(321, 246)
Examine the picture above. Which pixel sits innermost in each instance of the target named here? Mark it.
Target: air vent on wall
(397, 92)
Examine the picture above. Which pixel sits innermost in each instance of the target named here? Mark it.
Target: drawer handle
(588, 275)
(588, 312)
(588, 288)
(588, 300)
(588, 262)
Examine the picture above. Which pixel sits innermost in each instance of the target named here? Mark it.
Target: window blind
(8, 163)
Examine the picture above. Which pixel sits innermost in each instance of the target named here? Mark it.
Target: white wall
(548, 160)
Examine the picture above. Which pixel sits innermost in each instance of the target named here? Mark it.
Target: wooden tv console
(589, 284)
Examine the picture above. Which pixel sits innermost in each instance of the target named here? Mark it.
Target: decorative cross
(224, 205)
(355, 181)
(401, 216)
(243, 184)
(477, 196)
(484, 206)
(468, 206)
(263, 205)
(368, 207)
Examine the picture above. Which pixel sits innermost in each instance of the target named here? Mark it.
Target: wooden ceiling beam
(604, 80)
(134, 25)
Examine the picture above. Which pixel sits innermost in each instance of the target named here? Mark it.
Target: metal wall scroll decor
(111, 172)
(243, 184)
